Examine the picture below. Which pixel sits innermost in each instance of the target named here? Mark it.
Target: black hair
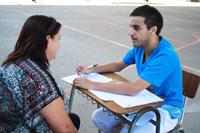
(32, 41)
(152, 16)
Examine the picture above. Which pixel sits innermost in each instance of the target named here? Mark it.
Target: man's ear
(153, 30)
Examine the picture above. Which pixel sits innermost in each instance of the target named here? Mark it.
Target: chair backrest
(191, 82)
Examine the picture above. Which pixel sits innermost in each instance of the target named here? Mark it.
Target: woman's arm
(57, 117)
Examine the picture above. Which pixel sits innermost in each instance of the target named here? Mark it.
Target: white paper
(106, 96)
(144, 97)
(70, 79)
(91, 76)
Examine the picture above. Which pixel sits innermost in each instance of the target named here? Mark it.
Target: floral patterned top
(27, 90)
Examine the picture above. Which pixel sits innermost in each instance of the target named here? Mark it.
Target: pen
(93, 65)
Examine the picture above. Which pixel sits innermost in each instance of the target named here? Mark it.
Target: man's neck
(152, 44)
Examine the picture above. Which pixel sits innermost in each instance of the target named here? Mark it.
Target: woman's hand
(84, 83)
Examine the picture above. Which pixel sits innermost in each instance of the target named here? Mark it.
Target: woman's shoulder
(28, 65)
(12, 71)
(18, 67)
(31, 68)
(20, 70)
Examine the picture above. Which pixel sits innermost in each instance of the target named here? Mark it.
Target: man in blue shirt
(158, 68)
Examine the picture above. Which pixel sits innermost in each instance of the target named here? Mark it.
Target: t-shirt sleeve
(129, 58)
(158, 70)
(37, 94)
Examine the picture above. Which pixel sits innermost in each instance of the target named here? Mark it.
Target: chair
(191, 82)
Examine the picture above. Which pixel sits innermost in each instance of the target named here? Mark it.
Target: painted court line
(175, 40)
(97, 37)
(188, 45)
(114, 42)
(124, 46)
(86, 33)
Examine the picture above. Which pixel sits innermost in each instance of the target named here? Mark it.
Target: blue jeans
(109, 124)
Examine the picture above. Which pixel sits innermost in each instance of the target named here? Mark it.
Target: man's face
(138, 31)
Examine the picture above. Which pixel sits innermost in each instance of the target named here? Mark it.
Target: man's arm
(126, 88)
(110, 67)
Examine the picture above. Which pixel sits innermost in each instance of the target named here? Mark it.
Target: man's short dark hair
(152, 16)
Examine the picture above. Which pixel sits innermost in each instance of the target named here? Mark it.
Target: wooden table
(118, 110)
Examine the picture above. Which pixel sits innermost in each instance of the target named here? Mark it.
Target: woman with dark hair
(32, 101)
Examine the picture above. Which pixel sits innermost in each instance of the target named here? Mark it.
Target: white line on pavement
(101, 38)
(97, 37)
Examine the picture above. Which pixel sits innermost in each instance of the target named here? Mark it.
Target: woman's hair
(32, 41)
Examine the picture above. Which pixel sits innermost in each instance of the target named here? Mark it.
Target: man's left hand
(83, 83)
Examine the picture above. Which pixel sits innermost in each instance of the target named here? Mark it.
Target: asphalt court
(99, 34)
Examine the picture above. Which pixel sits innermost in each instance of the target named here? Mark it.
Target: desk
(118, 110)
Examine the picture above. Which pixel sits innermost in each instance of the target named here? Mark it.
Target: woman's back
(8, 106)
(28, 89)
(31, 99)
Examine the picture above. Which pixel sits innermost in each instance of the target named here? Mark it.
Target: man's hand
(82, 70)
(84, 83)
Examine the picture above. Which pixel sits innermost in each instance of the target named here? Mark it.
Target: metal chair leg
(177, 129)
(143, 111)
(71, 99)
(98, 106)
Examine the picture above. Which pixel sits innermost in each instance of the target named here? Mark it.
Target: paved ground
(98, 34)
(100, 2)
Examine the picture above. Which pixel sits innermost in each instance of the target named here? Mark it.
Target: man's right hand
(82, 70)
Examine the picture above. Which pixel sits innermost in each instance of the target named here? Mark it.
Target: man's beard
(136, 45)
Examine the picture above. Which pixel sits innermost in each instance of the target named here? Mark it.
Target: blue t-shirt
(162, 70)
